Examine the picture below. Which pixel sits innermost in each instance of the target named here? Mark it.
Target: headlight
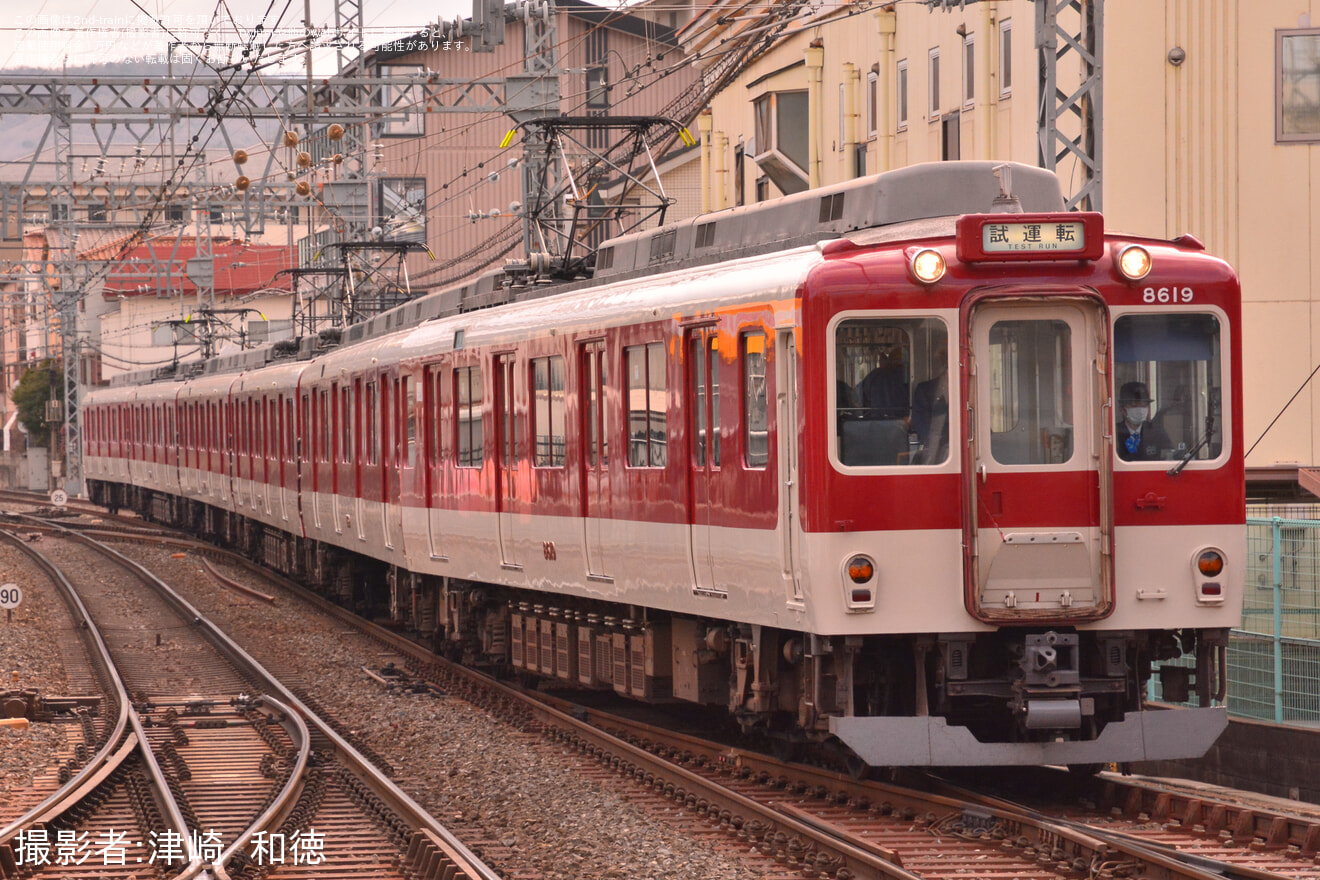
(1135, 262)
(927, 265)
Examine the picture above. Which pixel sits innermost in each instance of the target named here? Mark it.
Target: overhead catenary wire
(640, 75)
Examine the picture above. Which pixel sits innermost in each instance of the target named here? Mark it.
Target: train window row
(892, 387)
(377, 416)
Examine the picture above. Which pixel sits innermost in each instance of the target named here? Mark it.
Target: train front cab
(1079, 564)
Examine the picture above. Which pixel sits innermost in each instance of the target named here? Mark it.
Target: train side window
(467, 405)
(756, 444)
(1174, 363)
(648, 404)
(323, 422)
(548, 428)
(891, 391)
(410, 422)
(346, 425)
(305, 418)
(373, 425)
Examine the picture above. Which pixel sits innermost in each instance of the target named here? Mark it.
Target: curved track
(232, 776)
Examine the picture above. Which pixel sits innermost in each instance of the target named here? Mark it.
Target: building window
(548, 411)
(872, 103)
(216, 214)
(401, 208)
(261, 332)
(762, 188)
(598, 94)
(174, 213)
(951, 135)
(843, 120)
(934, 83)
(739, 175)
(1297, 85)
(467, 403)
(406, 116)
(648, 405)
(969, 70)
(1005, 58)
(902, 96)
(96, 213)
(756, 407)
(59, 212)
(781, 139)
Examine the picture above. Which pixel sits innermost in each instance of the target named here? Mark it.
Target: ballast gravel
(513, 797)
(29, 660)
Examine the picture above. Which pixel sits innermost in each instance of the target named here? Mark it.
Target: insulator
(303, 188)
(337, 158)
(240, 156)
(242, 183)
(290, 138)
(304, 159)
(335, 131)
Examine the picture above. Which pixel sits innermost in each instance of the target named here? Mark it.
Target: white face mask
(1137, 414)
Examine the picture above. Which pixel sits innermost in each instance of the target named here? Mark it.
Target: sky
(55, 33)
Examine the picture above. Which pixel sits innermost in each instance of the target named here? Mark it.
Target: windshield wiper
(1191, 453)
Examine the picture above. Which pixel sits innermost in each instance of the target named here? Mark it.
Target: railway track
(815, 820)
(203, 774)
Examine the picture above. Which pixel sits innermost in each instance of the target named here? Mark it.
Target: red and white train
(916, 464)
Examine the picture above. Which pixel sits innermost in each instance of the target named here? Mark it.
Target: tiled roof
(160, 268)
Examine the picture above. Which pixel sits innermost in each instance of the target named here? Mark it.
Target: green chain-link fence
(1274, 658)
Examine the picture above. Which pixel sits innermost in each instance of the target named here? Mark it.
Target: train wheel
(856, 767)
(784, 749)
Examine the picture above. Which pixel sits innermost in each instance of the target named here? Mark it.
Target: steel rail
(1158, 864)
(100, 767)
(394, 797)
(281, 806)
(111, 755)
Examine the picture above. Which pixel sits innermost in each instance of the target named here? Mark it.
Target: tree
(31, 396)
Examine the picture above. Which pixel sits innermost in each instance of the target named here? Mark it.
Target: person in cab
(1137, 438)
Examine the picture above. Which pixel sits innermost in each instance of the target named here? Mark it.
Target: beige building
(454, 169)
(1210, 125)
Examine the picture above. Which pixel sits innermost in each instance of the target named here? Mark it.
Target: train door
(595, 457)
(434, 454)
(1038, 521)
(786, 404)
(390, 459)
(357, 462)
(506, 458)
(228, 448)
(287, 461)
(340, 402)
(271, 436)
(303, 444)
(703, 407)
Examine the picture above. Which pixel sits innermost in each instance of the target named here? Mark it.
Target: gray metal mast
(1075, 27)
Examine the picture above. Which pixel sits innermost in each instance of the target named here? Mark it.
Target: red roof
(159, 268)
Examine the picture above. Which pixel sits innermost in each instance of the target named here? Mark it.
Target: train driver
(1137, 437)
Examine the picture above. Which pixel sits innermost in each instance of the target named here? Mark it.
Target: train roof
(900, 204)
